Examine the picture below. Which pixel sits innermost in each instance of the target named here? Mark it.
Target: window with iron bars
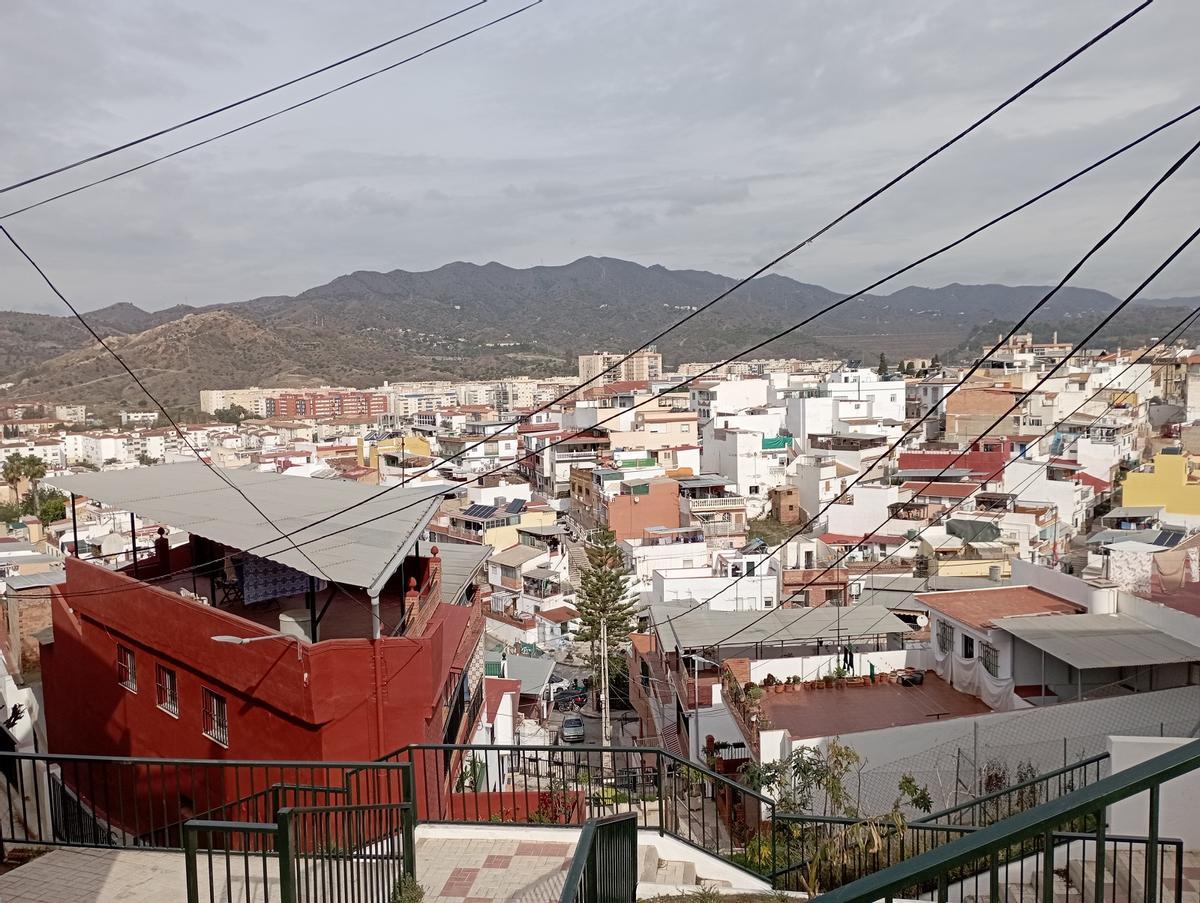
(126, 668)
(216, 717)
(166, 690)
(945, 636)
(990, 656)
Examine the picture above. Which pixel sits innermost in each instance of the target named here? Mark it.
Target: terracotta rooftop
(827, 713)
(979, 608)
(559, 615)
(494, 689)
(941, 489)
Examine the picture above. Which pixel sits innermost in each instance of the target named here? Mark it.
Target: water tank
(296, 622)
(994, 573)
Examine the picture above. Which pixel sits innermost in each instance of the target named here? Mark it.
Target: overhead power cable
(1178, 330)
(774, 262)
(1040, 465)
(100, 155)
(269, 116)
(1054, 369)
(713, 368)
(995, 220)
(216, 471)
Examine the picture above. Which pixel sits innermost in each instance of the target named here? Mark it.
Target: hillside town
(598, 453)
(777, 556)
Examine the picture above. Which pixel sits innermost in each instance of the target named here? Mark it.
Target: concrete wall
(811, 667)
(1177, 812)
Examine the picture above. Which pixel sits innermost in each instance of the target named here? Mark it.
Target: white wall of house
(747, 594)
(645, 560)
(1177, 803)
(868, 511)
(812, 667)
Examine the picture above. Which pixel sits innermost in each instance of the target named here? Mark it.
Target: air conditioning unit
(855, 589)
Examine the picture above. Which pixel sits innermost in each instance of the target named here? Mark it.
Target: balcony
(723, 528)
(715, 503)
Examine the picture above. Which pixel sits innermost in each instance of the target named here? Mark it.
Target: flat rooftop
(828, 712)
(982, 608)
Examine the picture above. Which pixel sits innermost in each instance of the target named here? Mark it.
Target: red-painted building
(143, 664)
(326, 404)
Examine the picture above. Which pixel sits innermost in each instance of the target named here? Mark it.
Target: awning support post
(310, 597)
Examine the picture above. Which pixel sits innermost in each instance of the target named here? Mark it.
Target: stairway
(673, 873)
(577, 561)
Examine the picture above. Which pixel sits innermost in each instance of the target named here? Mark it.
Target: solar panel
(1168, 539)
(516, 506)
(480, 511)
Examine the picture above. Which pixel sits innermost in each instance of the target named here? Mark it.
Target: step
(647, 862)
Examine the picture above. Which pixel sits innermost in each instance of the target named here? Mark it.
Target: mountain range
(469, 321)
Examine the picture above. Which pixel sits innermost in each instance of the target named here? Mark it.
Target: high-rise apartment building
(643, 365)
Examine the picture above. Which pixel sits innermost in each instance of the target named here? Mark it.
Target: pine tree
(603, 596)
(882, 370)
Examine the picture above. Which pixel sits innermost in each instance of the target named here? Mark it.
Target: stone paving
(482, 871)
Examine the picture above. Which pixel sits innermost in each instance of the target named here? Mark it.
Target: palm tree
(35, 471)
(13, 473)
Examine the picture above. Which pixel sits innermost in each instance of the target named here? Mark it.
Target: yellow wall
(1166, 486)
(413, 445)
(969, 567)
(500, 538)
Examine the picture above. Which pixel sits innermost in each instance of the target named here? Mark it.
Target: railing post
(1152, 890)
(409, 838)
(189, 865)
(1048, 866)
(662, 804)
(283, 850)
(1101, 841)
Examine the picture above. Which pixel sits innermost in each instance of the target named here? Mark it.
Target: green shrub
(407, 890)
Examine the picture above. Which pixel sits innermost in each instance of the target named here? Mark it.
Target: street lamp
(246, 640)
(696, 660)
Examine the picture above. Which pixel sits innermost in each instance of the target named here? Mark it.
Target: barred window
(990, 656)
(166, 690)
(216, 718)
(945, 636)
(126, 668)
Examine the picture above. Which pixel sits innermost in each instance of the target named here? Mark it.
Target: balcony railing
(716, 503)
(605, 864)
(723, 528)
(1070, 829)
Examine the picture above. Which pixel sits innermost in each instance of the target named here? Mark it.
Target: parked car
(572, 730)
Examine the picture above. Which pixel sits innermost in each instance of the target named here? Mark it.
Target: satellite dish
(922, 621)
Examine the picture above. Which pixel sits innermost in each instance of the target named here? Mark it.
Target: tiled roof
(980, 608)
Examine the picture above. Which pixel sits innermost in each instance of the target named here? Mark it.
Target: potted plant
(791, 684)
(839, 676)
(827, 679)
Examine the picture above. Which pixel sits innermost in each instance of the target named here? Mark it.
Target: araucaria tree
(603, 596)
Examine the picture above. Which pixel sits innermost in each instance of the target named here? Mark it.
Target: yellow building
(401, 446)
(1167, 482)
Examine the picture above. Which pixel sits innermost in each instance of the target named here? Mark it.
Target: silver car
(572, 729)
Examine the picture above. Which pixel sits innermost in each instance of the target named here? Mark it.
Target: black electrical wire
(771, 264)
(182, 436)
(233, 104)
(995, 220)
(1054, 369)
(269, 116)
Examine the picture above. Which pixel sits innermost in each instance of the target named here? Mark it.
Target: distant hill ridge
(461, 320)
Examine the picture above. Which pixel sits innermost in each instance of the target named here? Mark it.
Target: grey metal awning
(1099, 641)
(367, 543)
(705, 628)
(461, 561)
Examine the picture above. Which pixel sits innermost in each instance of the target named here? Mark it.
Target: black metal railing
(102, 801)
(319, 854)
(562, 785)
(982, 861)
(604, 868)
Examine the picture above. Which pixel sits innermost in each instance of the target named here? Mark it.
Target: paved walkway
(450, 869)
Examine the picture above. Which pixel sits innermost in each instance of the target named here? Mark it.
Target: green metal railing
(1006, 801)
(314, 854)
(604, 868)
(814, 853)
(985, 855)
(564, 785)
(107, 801)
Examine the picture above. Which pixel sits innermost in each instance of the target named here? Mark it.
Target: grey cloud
(706, 135)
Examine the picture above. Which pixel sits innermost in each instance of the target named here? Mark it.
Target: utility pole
(605, 723)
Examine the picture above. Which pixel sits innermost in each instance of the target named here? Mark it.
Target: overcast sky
(706, 135)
